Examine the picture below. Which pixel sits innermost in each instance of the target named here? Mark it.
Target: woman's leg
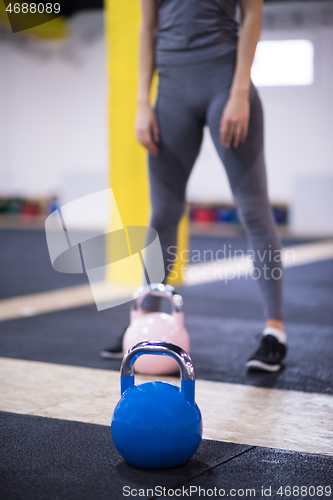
(245, 167)
(181, 132)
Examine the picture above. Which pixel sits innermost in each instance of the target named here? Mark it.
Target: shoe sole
(111, 355)
(260, 365)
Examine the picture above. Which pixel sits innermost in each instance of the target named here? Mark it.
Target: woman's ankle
(275, 323)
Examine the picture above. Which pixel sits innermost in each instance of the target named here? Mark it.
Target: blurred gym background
(67, 131)
(54, 120)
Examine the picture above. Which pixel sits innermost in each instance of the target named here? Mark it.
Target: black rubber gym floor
(52, 459)
(45, 458)
(222, 320)
(25, 263)
(219, 346)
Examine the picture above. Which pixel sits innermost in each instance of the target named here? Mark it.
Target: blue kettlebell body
(156, 425)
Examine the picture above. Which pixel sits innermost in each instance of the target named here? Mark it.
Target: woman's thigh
(181, 132)
(245, 165)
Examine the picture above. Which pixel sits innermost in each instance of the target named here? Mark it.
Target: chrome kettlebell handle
(159, 290)
(187, 373)
(155, 347)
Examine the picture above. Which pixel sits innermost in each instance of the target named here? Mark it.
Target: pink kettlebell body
(157, 326)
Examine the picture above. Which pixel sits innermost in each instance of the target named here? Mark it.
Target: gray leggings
(190, 97)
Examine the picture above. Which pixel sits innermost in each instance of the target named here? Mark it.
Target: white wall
(299, 120)
(53, 118)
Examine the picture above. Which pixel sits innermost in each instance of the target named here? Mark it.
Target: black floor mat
(308, 292)
(49, 459)
(264, 472)
(219, 346)
(222, 319)
(25, 265)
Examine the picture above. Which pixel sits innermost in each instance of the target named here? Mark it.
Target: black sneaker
(116, 350)
(268, 357)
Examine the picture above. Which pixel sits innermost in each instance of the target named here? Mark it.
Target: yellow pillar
(128, 171)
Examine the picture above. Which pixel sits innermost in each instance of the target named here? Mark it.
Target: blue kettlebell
(157, 425)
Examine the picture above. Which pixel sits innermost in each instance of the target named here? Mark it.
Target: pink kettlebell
(156, 326)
